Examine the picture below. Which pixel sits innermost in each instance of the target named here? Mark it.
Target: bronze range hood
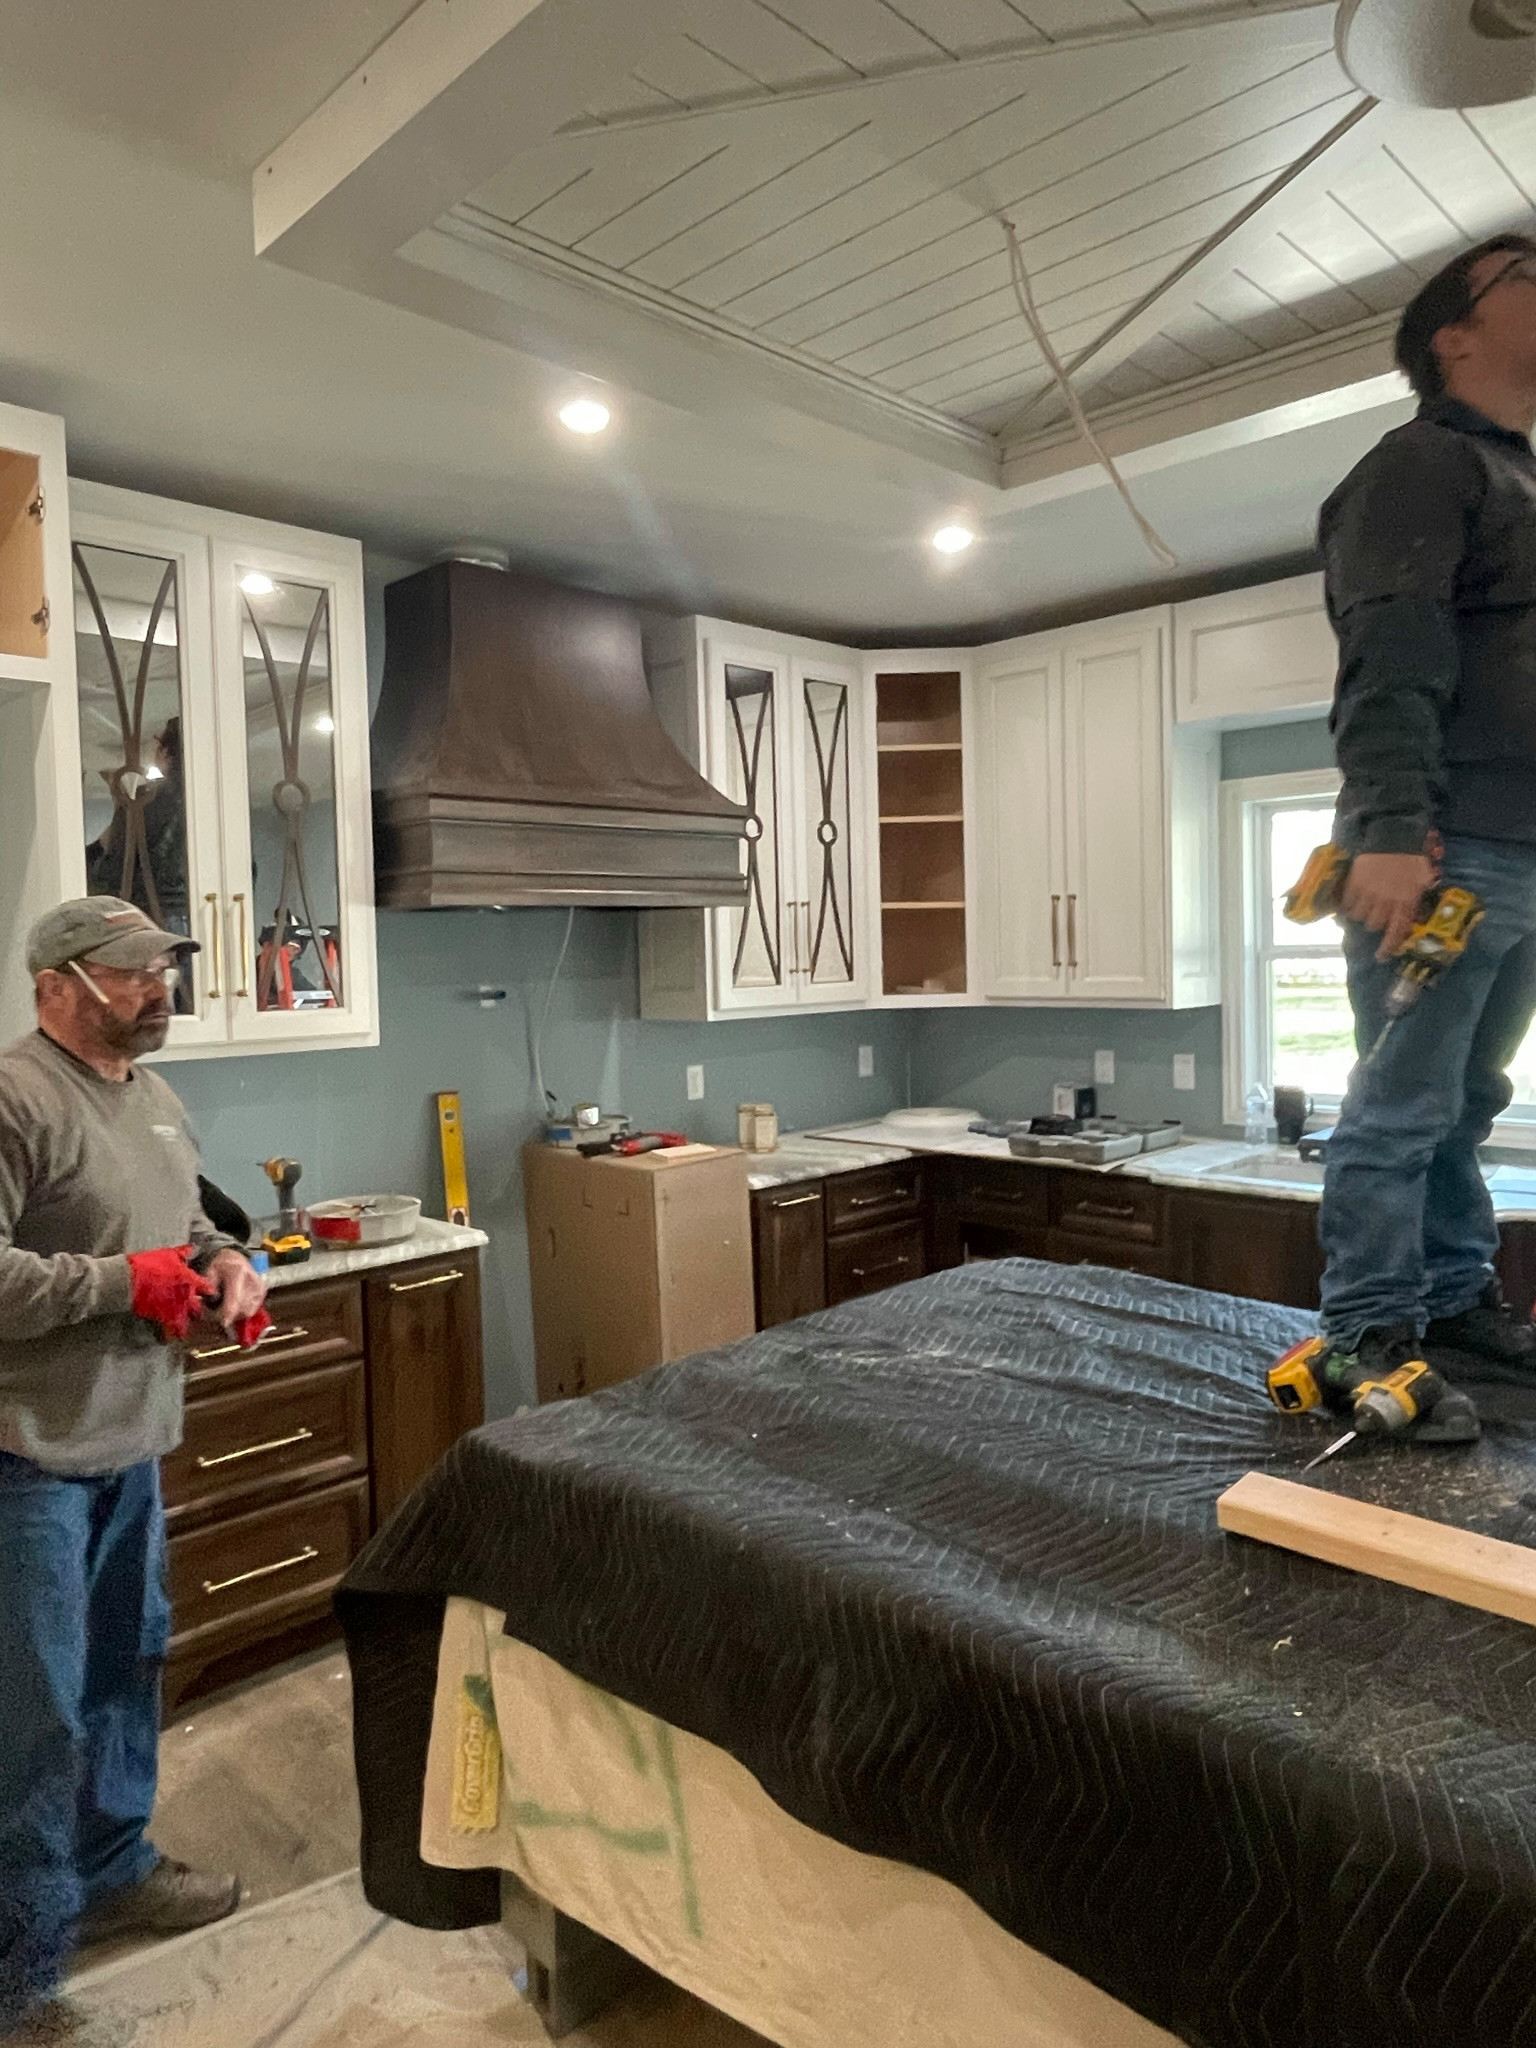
(517, 757)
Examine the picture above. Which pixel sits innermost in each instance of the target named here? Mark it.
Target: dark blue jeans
(1407, 1224)
(83, 1625)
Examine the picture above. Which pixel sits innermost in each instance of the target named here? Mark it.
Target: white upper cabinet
(1251, 656)
(223, 762)
(1095, 821)
(41, 842)
(777, 724)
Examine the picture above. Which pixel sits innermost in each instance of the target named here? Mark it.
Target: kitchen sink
(1278, 1169)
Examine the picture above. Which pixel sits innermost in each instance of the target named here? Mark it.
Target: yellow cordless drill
(1310, 1375)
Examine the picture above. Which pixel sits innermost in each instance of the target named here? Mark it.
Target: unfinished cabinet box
(920, 828)
(634, 1261)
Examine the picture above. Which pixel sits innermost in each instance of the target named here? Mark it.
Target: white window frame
(1246, 913)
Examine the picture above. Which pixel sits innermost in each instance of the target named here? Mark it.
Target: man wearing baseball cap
(105, 1257)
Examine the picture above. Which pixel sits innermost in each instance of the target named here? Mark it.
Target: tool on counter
(287, 1244)
(650, 1141)
(1299, 1381)
(450, 1134)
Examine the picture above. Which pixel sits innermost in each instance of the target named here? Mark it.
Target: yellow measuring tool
(450, 1131)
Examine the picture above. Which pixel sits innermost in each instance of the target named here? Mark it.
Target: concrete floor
(259, 1780)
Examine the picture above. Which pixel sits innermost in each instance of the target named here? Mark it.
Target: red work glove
(167, 1291)
(249, 1329)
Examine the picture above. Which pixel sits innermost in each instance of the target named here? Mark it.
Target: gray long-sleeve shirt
(90, 1170)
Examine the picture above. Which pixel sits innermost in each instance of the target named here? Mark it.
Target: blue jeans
(1407, 1224)
(83, 1626)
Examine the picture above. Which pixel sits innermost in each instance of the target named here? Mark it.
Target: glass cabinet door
(831, 940)
(754, 960)
(296, 821)
(145, 754)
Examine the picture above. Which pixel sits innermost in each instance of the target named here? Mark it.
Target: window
(1285, 1008)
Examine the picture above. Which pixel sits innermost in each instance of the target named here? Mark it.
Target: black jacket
(1429, 555)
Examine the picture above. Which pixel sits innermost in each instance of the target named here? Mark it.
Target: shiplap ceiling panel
(826, 175)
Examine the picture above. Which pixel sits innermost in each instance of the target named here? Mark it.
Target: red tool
(650, 1141)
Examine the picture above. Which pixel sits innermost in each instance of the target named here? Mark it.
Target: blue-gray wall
(364, 1121)
(1276, 749)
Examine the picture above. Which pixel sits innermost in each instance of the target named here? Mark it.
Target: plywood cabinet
(1095, 823)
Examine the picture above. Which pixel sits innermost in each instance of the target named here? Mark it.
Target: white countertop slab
(800, 1156)
(430, 1240)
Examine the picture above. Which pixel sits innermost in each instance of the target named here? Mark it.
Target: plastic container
(364, 1220)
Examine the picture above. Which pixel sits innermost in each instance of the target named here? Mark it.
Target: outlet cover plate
(866, 1062)
(1184, 1070)
(1104, 1069)
(696, 1084)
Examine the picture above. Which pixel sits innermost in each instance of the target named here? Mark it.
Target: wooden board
(1432, 1557)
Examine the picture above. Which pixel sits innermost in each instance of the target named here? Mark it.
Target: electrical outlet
(866, 1062)
(1184, 1070)
(1104, 1069)
(696, 1084)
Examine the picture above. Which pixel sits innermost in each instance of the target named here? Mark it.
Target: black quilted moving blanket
(941, 1568)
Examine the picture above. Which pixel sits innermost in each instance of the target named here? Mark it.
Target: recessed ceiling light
(953, 540)
(585, 416)
(256, 585)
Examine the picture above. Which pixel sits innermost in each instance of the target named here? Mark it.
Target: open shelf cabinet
(920, 771)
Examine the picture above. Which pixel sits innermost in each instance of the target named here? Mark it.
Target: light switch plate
(1184, 1070)
(1104, 1069)
(696, 1084)
(866, 1062)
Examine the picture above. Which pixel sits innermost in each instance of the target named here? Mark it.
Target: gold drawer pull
(872, 1272)
(278, 1443)
(896, 1194)
(263, 1343)
(797, 1201)
(262, 1571)
(433, 1280)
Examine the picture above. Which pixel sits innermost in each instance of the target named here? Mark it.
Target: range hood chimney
(518, 757)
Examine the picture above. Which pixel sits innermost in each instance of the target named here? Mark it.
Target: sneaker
(173, 1899)
(1487, 1341)
(1452, 1420)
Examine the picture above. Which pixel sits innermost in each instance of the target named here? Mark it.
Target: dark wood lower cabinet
(1258, 1246)
(789, 1252)
(296, 1451)
(868, 1261)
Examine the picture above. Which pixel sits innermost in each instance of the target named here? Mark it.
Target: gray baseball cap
(103, 929)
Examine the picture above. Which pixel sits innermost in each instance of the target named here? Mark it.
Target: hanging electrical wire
(1018, 276)
(546, 1101)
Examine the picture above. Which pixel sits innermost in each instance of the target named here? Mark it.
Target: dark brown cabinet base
(295, 1452)
(954, 1209)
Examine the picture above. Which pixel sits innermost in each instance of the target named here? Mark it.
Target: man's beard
(132, 1036)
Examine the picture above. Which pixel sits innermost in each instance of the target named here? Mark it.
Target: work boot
(1452, 1420)
(171, 1900)
(1485, 1342)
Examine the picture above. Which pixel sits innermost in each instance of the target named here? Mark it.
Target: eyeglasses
(1519, 270)
(167, 974)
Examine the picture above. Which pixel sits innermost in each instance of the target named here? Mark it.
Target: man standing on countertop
(1429, 548)
(105, 1257)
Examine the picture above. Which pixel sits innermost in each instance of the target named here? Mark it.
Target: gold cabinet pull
(277, 1443)
(245, 965)
(1055, 931)
(263, 1343)
(262, 1571)
(796, 1201)
(1072, 933)
(217, 976)
(432, 1280)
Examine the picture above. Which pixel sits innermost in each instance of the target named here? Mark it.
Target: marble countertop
(804, 1156)
(430, 1240)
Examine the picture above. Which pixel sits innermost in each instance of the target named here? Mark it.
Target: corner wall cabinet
(41, 842)
(778, 724)
(1096, 823)
(223, 762)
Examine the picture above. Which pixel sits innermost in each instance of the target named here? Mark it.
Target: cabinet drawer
(988, 1192)
(318, 1325)
(866, 1261)
(857, 1200)
(1123, 1253)
(300, 1430)
(1122, 1210)
(241, 1578)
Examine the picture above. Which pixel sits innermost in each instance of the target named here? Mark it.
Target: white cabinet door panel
(748, 715)
(1021, 832)
(1251, 655)
(1117, 946)
(828, 746)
